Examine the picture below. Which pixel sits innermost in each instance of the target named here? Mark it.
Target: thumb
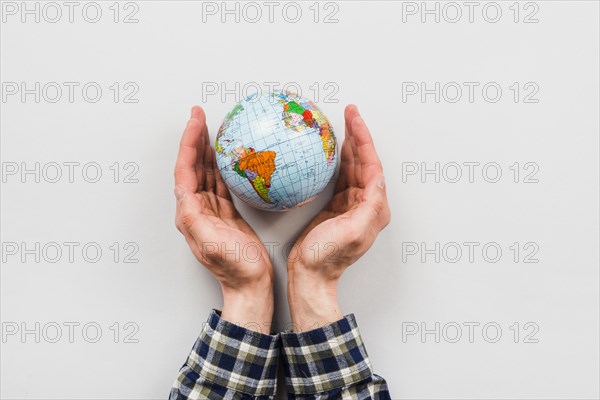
(188, 221)
(180, 193)
(372, 214)
(188, 208)
(375, 194)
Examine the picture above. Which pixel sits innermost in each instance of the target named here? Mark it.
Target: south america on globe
(276, 151)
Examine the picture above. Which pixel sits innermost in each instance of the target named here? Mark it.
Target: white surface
(170, 52)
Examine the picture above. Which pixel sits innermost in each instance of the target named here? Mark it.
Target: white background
(171, 54)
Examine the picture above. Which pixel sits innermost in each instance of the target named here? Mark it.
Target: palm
(346, 228)
(217, 234)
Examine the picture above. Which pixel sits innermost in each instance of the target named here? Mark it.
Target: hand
(216, 233)
(341, 233)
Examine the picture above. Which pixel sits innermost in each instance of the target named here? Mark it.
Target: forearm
(313, 301)
(325, 342)
(234, 356)
(250, 307)
(330, 362)
(229, 361)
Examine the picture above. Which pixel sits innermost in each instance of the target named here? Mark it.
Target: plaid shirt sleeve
(330, 363)
(229, 362)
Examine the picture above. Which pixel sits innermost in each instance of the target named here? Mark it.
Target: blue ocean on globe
(276, 151)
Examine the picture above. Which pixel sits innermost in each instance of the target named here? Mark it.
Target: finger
(221, 187)
(347, 177)
(200, 170)
(357, 166)
(185, 166)
(198, 113)
(350, 113)
(209, 161)
(366, 154)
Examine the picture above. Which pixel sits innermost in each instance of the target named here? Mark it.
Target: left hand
(217, 234)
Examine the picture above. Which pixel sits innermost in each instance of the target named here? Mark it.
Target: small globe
(276, 151)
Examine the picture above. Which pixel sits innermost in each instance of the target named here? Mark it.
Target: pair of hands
(338, 236)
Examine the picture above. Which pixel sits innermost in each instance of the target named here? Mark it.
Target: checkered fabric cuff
(234, 357)
(325, 359)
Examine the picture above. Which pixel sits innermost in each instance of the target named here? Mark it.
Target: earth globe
(276, 151)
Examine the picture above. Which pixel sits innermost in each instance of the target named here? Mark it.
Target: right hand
(341, 233)
(349, 224)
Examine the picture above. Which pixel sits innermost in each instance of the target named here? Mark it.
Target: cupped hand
(345, 229)
(217, 234)
(342, 232)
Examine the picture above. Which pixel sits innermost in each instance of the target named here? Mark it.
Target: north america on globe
(276, 151)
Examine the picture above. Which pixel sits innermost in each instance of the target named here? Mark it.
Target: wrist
(312, 299)
(249, 306)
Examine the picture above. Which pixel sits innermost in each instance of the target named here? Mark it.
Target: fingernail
(179, 193)
(381, 182)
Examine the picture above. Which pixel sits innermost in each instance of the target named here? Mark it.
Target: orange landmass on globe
(262, 163)
(328, 142)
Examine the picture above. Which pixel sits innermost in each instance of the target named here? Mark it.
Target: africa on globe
(276, 151)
